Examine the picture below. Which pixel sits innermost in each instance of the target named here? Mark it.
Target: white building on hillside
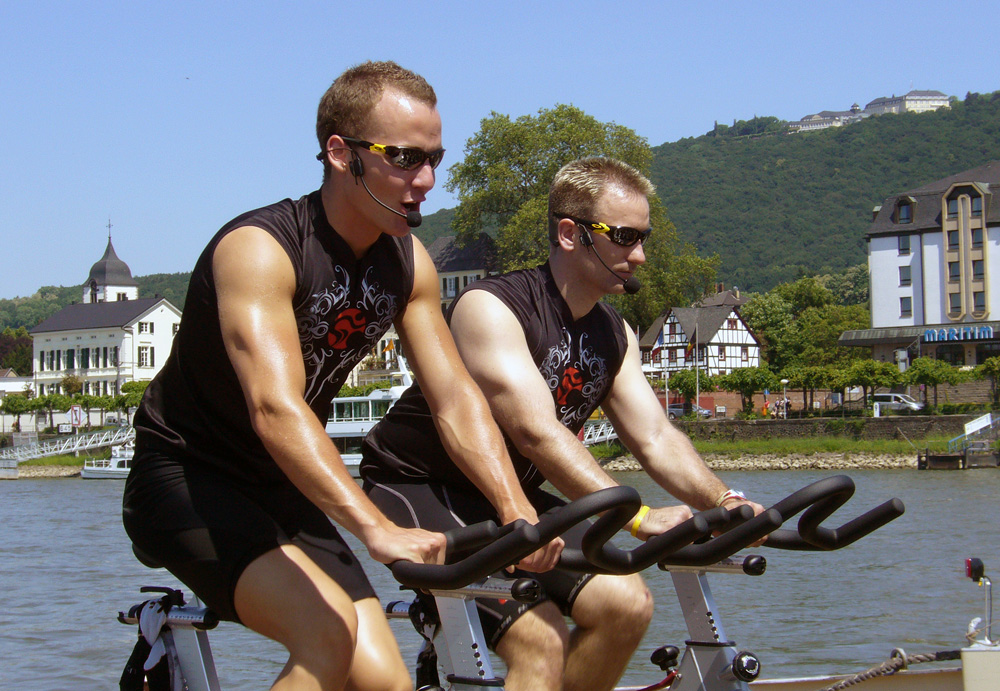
(112, 337)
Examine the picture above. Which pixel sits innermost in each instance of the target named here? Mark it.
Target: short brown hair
(580, 183)
(346, 106)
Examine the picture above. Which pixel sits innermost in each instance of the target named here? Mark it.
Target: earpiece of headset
(356, 167)
(585, 238)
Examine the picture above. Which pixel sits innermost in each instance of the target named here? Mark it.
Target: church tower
(110, 279)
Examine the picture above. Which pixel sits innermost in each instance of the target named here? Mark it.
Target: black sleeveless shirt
(343, 305)
(578, 359)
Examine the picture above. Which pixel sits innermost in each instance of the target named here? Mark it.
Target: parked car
(676, 410)
(899, 402)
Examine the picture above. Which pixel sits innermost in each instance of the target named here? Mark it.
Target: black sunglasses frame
(614, 233)
(396, 154)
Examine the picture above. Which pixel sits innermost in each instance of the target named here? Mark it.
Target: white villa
(912, 102)
(109, 338)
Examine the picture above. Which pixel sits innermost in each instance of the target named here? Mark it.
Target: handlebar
(678, 546)
(521, 540)
(819, 500)
(822, 498)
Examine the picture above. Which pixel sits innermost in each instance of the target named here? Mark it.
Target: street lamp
(784, 398)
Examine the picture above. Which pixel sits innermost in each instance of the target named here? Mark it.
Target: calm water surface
(66, 569)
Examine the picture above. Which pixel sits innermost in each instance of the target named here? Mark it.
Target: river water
(66, 569)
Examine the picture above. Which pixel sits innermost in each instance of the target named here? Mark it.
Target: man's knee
(620, 602)
(539, 639)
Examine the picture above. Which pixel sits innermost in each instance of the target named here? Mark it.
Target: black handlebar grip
(823, 498)
(727, 544)
(512, 547)
(470, 536)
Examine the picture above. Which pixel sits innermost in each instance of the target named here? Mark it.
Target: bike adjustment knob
(746, 666)
(526, 590)
(665, 657)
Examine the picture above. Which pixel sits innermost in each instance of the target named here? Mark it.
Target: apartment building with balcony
(459, 265)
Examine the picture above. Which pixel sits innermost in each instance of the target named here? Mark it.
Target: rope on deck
(899, 660)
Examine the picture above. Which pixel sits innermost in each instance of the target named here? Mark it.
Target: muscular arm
(460, 411)
(665, 453)
(494, 349)
(254, 283)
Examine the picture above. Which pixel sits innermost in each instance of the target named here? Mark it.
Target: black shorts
(206, 528)
(434, 507)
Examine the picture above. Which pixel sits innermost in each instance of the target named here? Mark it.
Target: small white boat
(351, 417)
(116, 467)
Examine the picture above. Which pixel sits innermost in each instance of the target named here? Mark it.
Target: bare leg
(378, 665)
(611, 615)
(285, 596)
(534, 649)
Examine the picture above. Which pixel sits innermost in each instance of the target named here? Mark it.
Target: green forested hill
(779, 206)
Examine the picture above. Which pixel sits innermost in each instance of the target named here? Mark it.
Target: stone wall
(912, 427)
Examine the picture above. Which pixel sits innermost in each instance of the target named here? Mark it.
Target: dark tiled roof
(725, 297)
(703, 320)
(447, 255)
(110, 270)
(96, 315)
(927, 207)
(648, 339)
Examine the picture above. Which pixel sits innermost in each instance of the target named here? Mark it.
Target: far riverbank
(717, 462)
(813, 461)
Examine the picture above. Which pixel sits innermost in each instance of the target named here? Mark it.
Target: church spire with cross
(110, 278)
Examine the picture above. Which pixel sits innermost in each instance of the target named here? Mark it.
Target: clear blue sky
(170, 118)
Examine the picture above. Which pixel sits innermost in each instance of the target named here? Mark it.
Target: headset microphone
(632, 285)
(357, 168)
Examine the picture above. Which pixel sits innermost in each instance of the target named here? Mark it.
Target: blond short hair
(580, 183)
(347, 105)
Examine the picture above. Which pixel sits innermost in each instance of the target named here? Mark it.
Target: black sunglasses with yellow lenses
(620, 235)
(404, 157)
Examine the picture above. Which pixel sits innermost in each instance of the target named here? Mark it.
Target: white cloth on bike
(161, 641)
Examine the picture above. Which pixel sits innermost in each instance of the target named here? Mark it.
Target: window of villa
(722, 353)
(906, 307)
(954, 302)
(906, 212)
(731, 323)
(952, 208)
(953, 239)
(672, 329)
(954, 271)
(977, 206)
(904, 275)
(977, 269)
(979, 301)
(672, 355)
(745, 353)
(977, 238)
(146, 356)
(904, 244)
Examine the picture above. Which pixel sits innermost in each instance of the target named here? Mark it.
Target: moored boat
(351, 417)
(115, 467)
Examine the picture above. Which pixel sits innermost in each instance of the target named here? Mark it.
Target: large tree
(503, 184)
(15, 350)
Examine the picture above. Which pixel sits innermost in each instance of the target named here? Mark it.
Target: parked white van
(896, 401)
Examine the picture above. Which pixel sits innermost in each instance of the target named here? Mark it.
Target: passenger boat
(116, 467)
(351, 417)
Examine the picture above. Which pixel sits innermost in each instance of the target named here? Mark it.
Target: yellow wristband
(638, 519)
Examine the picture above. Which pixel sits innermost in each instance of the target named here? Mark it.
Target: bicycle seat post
(711, 661)
(465, 651)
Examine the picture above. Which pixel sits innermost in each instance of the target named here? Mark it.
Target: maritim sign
(962, 333)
